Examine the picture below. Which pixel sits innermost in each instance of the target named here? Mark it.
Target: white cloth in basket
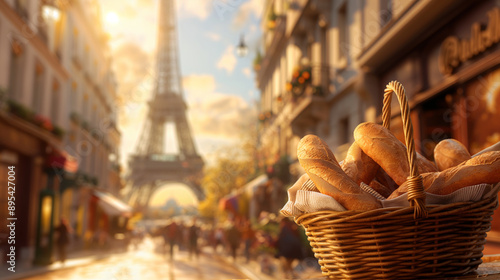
(304, 197)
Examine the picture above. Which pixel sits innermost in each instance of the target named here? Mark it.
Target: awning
(61, 159)
(112, 205)
(252, 186)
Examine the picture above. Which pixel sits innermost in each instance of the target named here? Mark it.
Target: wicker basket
(420, 241)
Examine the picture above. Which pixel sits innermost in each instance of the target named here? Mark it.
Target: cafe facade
(447, 57)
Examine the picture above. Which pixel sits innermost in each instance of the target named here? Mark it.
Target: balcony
(76, 62)
(21, 10)
(307, 109)
(273, 40)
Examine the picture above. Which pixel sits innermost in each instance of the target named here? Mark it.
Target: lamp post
(242, 49)
(45, 225)
(50, 11)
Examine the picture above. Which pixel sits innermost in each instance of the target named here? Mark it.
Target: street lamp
(44, 242)
(50, 11)
(242, 49)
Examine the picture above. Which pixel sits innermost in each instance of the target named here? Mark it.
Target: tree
(233, 168)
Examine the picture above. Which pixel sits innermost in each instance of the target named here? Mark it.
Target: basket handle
(416, 195)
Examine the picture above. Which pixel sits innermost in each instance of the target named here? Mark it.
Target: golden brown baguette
(385, 180)
(424, 165)
(359, 166)
(449, 153)
(322, 167)
(484, 168)
(494, 147)
(380, 188)
(385, 149)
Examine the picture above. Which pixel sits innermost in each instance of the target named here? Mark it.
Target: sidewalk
(307, 269)
(79, 258)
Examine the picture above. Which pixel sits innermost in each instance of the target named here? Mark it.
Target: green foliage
(232, 169)
(20, 110)
(58, 132)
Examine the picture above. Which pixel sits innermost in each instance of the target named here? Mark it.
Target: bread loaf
(380, 188)
(449, 153)
(494, 147)
(322, 167)
(385, 180)
(385, 149)
(424, 165)
(484, 168)
(359, 166)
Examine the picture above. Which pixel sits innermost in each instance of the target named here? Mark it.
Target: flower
(289, 86)
(43, 122)
(301, 80)
(296, 74)
(306, 75)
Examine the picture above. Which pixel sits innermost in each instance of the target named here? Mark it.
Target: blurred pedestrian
(233, 236)
(289, 246)
(170, 237)
(219, 238)
(63, 231)
(248, 235)
(193, 234)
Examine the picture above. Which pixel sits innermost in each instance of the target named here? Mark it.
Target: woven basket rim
(384, 213)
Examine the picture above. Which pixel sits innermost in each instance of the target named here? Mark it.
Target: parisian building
(325, 64)
(58, 121)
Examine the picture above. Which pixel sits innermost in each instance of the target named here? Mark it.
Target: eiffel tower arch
(166, 125)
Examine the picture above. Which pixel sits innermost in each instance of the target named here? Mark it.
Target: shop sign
(455, 51)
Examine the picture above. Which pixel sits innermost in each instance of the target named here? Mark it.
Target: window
(38, 88)
(56, 99)
(385, 11)
(85, 108)
(73, 97)
(344, 130)
(16, 70)
(343, 32)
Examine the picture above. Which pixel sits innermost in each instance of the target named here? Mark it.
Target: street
(148, 262)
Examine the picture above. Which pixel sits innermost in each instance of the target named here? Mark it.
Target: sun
(112, 17)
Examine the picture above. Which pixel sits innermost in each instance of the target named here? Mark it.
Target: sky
(219, 87)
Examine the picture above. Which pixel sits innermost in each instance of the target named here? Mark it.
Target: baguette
(385, 149)
(359, 166)
(483, 169)
(494, 147)
(449, 153)
(322, 167)
(385, 180)
(380, 188)
(424, 165)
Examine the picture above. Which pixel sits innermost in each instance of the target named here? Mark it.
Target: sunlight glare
(112, 17)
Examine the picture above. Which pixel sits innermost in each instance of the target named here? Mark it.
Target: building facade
(325, 65)
(57, 117)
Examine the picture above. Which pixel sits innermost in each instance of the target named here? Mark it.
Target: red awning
(61, 159)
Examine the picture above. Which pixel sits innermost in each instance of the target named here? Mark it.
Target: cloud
(221, 115)
(198, 83)
(215, 115)
(134, 74)
(213, 36)
(194, 8)
(228, 60)
(252, 7)
(247, 72)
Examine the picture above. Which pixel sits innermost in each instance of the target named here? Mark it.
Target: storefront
(107, 218)
(452, 79)
(23, 149)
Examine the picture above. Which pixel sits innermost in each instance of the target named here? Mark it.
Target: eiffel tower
(152, 166)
